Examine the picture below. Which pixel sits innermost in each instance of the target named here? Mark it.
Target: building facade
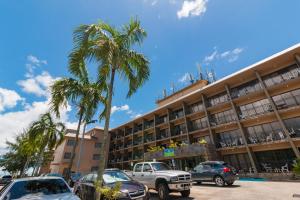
(87, 154)
(250, 119)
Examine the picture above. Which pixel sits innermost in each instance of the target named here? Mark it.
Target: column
(250, 153)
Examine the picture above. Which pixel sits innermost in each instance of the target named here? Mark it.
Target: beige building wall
(89, 159)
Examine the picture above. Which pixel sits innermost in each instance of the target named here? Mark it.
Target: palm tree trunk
(68, 175)
(105, 145)
(25, 166)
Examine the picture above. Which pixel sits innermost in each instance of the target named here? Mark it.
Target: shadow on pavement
(154, 196)
(213, 185)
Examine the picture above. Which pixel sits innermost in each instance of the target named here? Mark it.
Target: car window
(89, 178)
(4, 188)
(160, 166)
(115, 176)
(138, 168)
(206, 167)
(147, 168)
(199, 168)
(44, 186)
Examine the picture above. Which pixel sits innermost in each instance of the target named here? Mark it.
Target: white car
(37, 188)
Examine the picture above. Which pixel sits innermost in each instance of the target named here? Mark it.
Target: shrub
(296, 167)
(107, 192)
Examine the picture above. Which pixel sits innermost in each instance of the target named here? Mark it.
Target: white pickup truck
(159, 176)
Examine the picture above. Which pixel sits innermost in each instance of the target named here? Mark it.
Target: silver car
(37, 188)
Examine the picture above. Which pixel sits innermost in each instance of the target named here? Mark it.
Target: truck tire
(185, 193)
(163, 191)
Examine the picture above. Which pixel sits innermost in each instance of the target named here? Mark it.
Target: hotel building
(87, 155)
(250, 119)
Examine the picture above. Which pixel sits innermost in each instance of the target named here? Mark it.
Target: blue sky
(36, 38)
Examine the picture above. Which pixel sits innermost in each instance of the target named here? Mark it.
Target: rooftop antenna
(208, 76)
(191, 78)
(200, 71)
(173, 87)
(214, 75)
(164, 93)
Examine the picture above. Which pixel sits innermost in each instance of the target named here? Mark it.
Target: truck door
(137, 172)
(148, 176)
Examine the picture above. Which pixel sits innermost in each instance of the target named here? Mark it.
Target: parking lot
(242, 191)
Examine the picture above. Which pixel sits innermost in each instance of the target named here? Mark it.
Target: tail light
(226, 169)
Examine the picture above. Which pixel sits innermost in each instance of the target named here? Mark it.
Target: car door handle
(133, 174)
(142, 175)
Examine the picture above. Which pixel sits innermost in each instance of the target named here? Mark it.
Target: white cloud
(12, 123)
(230, 55)
(8, 99)
(38, 85)
(185, 78)
(192, 8)
(119, 108)
(32, 63)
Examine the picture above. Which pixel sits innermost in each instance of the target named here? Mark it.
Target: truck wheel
(219, 181)
(185, 193)
(163, 191)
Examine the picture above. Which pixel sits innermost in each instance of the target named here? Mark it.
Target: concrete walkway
(243, 190)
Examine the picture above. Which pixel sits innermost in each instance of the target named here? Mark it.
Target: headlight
(174, 179)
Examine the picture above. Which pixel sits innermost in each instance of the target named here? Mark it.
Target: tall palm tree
(80, 91)
(47, 134)
(113, 51)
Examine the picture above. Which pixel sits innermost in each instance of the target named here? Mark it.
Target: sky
(36, 38)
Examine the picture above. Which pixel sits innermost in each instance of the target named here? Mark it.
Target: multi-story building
(87, 154)
(250, 119)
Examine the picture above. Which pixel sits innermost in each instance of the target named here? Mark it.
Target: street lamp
(81, 142)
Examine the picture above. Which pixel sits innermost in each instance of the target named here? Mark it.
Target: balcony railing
(178, 131)
(162, 120)
(186, 151)
(231, 143)
(149, 138)
(162, 135)
(137, 141)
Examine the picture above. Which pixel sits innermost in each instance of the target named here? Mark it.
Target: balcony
(137, 141)
(176, 115)
(231, 143)
(128, 144)
(162, 120)
(137, 156)
(128, 132)
(162, 135)
(149, 124)
(149, 138)
(183, 151)
(272, 137)
(178, 131)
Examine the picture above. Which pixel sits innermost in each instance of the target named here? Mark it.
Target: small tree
(107, 192)
(296, 167)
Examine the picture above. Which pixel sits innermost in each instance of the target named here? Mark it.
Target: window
(98, 145)
(96, 157)
(67, 155)
(147, 168)
(70, 142)
(138, 168)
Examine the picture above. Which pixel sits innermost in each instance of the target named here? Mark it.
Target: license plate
(186, 187)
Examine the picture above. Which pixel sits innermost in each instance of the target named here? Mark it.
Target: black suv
(130, 189)
(214, 171)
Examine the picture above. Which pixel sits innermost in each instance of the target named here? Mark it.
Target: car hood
(129, 186)
(172, 172)
(41, 196)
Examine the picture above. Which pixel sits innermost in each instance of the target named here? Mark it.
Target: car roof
(213, 162)
(148, 162)
(38, 178)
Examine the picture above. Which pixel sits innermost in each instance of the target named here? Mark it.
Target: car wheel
(78, 193)
(219, 181)
(163, 191)
(185, 193)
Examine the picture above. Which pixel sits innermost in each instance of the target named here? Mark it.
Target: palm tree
(46, 134)
(113, 51)
(83, 93)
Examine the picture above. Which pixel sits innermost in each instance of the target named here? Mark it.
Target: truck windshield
(160, 166)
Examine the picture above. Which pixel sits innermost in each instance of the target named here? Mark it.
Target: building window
(293, 126)
(288, 99)
(245, 89)
(218, 99)
(94, 168)
(67, 155)
(70, 142)
(255, 108)
(223, 117)
(198, 124)
(98, 145)
(96, 157)
(230, 139)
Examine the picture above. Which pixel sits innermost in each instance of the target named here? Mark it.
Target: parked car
(53, 175)
(74, 178)
(4, 179)
(160, 177)
(214, 171)
(130, 189)
(37, 188)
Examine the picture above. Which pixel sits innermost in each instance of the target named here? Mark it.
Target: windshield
(115, 176)
(44, 186)
(160, 166)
